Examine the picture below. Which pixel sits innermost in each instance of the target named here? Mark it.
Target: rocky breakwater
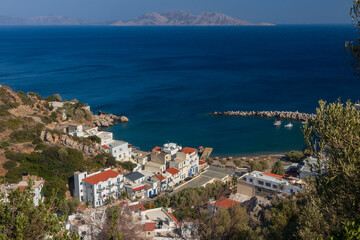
(68, 141)
(107, 120)
(298, 116)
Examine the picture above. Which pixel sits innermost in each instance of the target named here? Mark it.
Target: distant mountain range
(174, 18)
(181, 18)
(45, 20)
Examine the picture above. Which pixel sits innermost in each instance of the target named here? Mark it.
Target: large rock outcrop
(107, 120)
(68, 141)
(256, 207)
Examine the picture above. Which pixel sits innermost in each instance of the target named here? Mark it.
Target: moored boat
(289, 125)
(277, 123)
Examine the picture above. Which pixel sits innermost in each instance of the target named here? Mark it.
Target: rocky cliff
(68, 141)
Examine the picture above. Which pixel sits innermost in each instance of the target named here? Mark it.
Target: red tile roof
(174, 218)
(80, 208)
(188, 150)
(172, 171)
(101, 177)
(160, 177)
(136, 207)
(156, 148)
(225, 203)
(105, 147)
(139, 188)
(272, 175)
(149, 226)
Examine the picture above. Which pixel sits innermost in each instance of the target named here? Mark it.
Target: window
(260, 182)
(250, 180)
(81, 183)
(275, 186)
(268, 184)
(99, 186)
(80, 190)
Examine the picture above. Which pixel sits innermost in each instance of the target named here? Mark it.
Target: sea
(167, 79)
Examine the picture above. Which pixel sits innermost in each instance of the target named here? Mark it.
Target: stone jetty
(298, 116)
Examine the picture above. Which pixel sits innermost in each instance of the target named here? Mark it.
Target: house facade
(97, 187)
(273, 182)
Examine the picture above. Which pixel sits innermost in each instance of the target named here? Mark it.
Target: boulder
(124, 119)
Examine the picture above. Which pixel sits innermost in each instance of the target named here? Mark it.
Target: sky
(273, 11)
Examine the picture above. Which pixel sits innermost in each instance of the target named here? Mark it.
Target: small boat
(277, 123)
(289, 125)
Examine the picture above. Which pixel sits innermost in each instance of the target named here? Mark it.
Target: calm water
(165, 79)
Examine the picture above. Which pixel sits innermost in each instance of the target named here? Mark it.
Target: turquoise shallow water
(165, 79)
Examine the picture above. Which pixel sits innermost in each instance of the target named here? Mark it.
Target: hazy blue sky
(275, 11)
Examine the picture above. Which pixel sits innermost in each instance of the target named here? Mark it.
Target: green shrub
(127, 165)
(40, 147)
(10, 164)
(295, 156)
(14, 174)
(3, 112)
(13, 124)
(53, 98)
(53, 116)
(34, 94)
(95, 139)
(25, 99)
(4, 144)
(46, 119)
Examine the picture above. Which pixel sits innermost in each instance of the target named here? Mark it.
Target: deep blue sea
(166, 79)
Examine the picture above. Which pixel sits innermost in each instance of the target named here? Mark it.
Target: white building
(95, 188)
(175, 177)
(163, 222)
(119, 149)
(308, 168)
(171, 148)
(106, 137)
(181, 163)
(273, 182)
(87, 223)
(192, 156)
(35, 191)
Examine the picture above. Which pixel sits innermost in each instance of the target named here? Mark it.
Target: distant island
(174, 18)
(181, 18)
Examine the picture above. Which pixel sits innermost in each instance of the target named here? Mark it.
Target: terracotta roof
(101, 177)
(272, 175)
(160, 177)
(201, 162)
(156, 148)
(149, 226)
(172, 171)
(174, 218)
(225, 203)
(136, 207)
(129, 145)
(139, 188)
(105, 147)
(80, 208)
(188, 150)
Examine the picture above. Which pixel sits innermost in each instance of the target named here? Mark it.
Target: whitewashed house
(97, 187)
(273, 182)
(119, 149)
(171, 148)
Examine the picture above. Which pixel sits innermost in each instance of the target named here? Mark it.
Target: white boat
(277, 123)
(289, 125)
